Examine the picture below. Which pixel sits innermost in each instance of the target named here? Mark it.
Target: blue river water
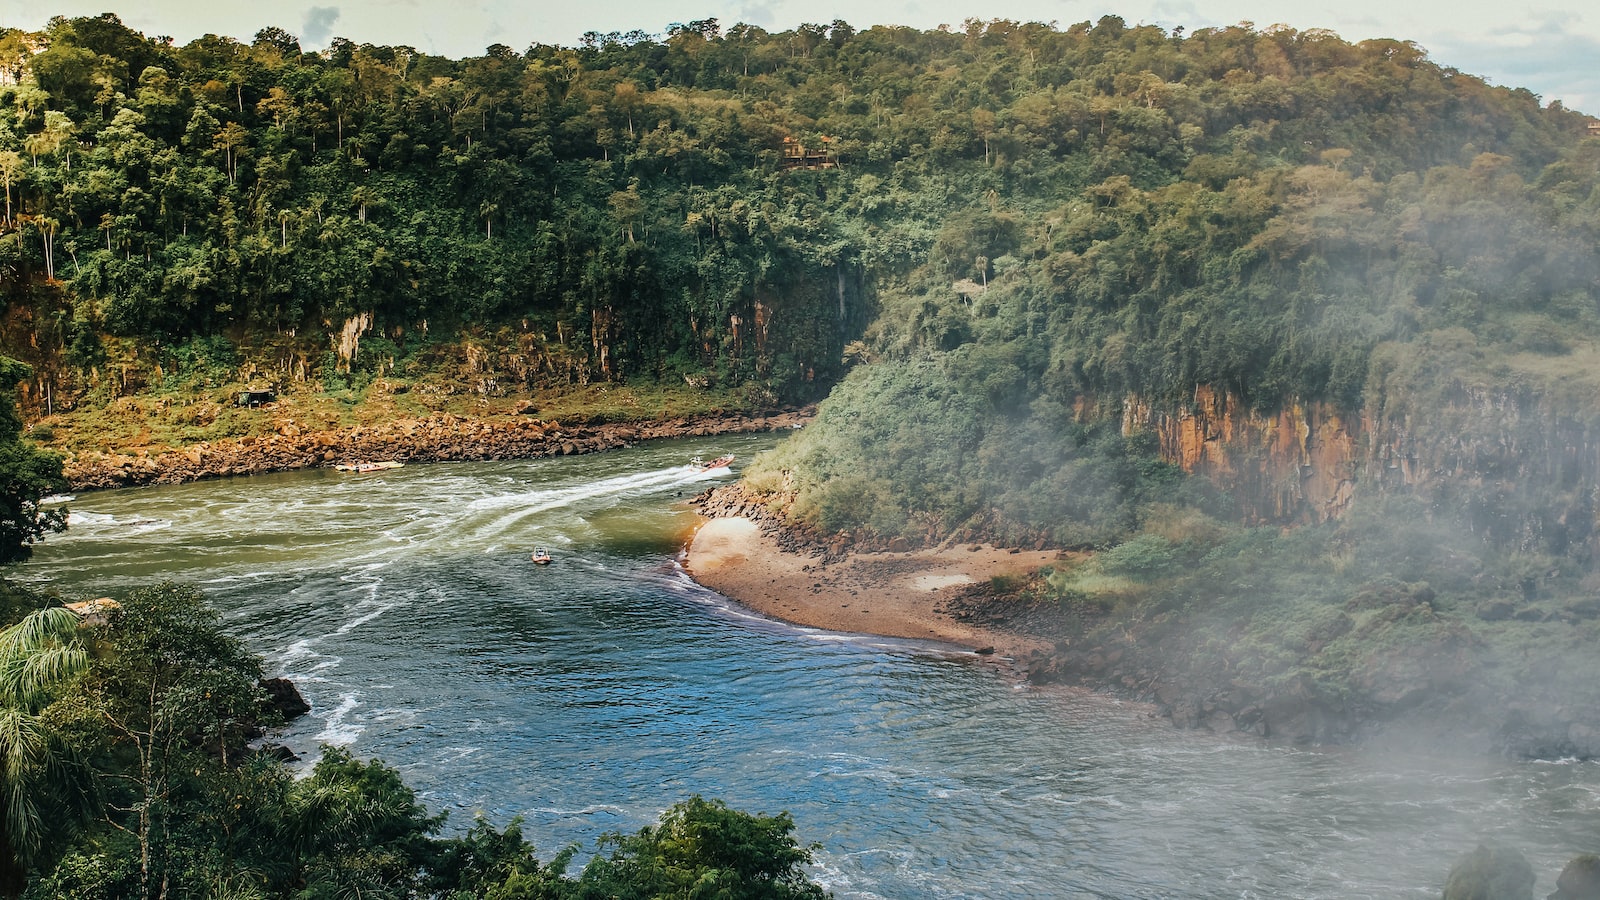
(588, 695)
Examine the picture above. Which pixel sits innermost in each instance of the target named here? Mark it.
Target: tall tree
(27, 476)
(11, 166)
(178, 693)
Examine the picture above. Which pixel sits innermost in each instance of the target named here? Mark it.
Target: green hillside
(1243, 208)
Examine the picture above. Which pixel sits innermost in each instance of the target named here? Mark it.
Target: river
(588, 695)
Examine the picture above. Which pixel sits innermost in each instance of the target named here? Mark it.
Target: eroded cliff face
(1300, 465)
(1519, 467)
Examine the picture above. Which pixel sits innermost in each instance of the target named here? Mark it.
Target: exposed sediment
(437, 438)
(748, 554)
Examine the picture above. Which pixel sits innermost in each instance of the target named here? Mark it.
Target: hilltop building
(797, 156)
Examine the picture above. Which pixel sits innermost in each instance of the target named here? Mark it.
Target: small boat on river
(360, 467)
(721, 462)
(541, 556)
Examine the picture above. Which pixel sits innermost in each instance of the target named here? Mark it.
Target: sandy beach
(890, 594)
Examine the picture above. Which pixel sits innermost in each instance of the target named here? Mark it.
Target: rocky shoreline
(437, 438)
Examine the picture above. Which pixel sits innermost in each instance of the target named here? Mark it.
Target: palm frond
(39, 653)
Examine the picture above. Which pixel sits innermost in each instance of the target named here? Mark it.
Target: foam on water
(337, 730)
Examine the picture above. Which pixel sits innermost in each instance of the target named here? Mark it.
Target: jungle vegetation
(1090, 210)
(1019, 226)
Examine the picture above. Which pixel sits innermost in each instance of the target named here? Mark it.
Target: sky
(1552, 49)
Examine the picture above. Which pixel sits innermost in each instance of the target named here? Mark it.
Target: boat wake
(638, 482)
(521, 505)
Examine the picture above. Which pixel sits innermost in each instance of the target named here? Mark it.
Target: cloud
(1550, 54)
(759, 14)
(318, 25)
(1172, 13)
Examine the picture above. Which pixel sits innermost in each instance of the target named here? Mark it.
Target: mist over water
(588, 695)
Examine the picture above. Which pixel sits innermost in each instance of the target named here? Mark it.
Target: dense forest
(1099, 209)
(1018, 256)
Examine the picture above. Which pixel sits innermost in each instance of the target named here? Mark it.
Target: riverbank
(1416, 674)
(743, 553)
(436, 438)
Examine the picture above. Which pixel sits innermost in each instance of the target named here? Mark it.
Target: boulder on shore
(1490, 873)
(285, 697)
(1579, 880)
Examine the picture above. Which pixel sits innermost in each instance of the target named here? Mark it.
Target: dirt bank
(437, 438)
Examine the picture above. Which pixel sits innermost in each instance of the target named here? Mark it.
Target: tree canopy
(625, 205)
(27, 475)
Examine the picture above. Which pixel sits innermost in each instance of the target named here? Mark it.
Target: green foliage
(175, 671)
(41, 783)
(496, 864)
(27, 475)
(702, 848)
(209, 360)
(1220, 206)
(1145, 557)
(358, 829)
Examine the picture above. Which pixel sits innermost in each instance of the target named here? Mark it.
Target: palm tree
(487, 211)
(37, 656)
(11, 164)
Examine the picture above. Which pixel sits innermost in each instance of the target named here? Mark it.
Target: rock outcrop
(1520, 466)
(1490, 873)
(1579, 880)
(434, 439)
(285, 698)
(1299, 464)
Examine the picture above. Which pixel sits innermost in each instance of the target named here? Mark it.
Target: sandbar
(883, 593)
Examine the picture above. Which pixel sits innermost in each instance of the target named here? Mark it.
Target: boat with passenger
(541, 556)
(721, 462)
(360, 467)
